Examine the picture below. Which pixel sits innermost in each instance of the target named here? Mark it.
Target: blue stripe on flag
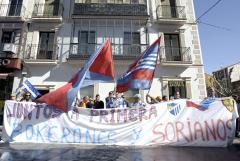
(27, 86)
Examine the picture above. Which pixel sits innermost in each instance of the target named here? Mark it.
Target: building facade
(229, 80)
(54, 38)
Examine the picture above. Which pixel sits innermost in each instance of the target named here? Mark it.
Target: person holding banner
(86, 103)
(109, 100)
(13, 97)
(98, 104)
(119, 102)
(237, 101)
(26, 97)
(137, 102)
(177, 95)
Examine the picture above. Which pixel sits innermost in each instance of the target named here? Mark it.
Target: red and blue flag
(99, 68)
(140, 74)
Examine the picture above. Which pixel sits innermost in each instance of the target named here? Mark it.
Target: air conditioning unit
(10, 48)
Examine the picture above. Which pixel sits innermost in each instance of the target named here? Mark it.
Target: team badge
(228, 103)
(174, 108)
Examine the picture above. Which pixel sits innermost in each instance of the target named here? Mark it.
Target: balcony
(171, 56)
(41, 54)
(10, 12)
(111, 8)
(171, 14)
(47, 12)
(120, 51)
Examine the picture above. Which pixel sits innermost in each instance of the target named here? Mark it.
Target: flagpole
(158, 57)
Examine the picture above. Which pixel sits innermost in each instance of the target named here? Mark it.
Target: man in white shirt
(119, 102)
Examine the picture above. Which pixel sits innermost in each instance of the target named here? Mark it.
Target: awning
(5, 75)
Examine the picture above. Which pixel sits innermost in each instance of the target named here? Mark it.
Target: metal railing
(38, 51)
(48, 10)
(165, 11)
(174, 54)
(114, 1)
(110, 9)
(120, 51)
(8, 10)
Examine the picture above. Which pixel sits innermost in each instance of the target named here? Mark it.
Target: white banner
(180, 122)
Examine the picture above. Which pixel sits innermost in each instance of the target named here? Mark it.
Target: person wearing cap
(137, 102)
(109, 100)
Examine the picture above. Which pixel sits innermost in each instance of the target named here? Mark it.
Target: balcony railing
(177, 12)
(172, 54)
(48, 10)
(120, 51)
(113, 8)
(8, 10)
(38, 51)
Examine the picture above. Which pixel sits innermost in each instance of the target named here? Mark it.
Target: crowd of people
(114, 100)
(118, 100)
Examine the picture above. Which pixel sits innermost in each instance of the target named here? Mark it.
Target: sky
(220, 47)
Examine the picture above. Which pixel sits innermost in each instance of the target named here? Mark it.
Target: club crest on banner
(174, 108)
(228, 103)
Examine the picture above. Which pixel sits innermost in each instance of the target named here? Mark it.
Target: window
(169, 8)
(51, 7)
(132, 43)
(177, 86)
(7, 37)
(15, 8)
(46, 44)
(87, 43)
(172, 49)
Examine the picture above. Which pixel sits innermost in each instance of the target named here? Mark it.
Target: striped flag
(27, 87)
(140, 74)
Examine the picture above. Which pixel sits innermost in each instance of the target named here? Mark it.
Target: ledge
(40, 62)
